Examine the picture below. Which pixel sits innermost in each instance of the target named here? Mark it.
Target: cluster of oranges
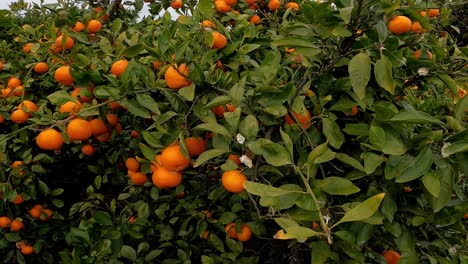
(15, 225)
(244, 235)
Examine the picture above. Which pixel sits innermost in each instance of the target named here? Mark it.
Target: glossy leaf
(359, 69)
(362, 211)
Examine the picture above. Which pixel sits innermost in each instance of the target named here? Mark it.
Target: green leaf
(293, 230)
(206, 8)
(359, 69)
(60, 97)
(431, 183)
(248, 127)
(332, 132)
(415, 117)
(345, 158)
(294, 42)
(383, 74)
(136, 109)
(219, 100)
(460, 109)
(209, 154)
(338, 186)
(321, 252)
(148, 152)
(389, 208)
(133, 50)
(453, 148)
(128, 253)
(446, 176)
(148, 102)
(153, 254)
(372, 161)
(274, 154)
(364, 210)
(213, 127)
(188, 92)
(152, 140)
(264, 190)
(102, 218)
(287, 143)
(420, 165)
(237, 92)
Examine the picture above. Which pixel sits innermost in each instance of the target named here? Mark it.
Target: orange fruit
(94, 26)
(87, 149)
(233, 181)
(132, 164)
(176, 78)
(222, 7)
(274, 5)
(173, 159)
(13, 82)
(205, 234)
(465, 216)
(35, 212)
(103, 137)
(315, 226)
(62, 75)
(220, 109)
(208, 23)
(18, 91)
(138, 178)
(165, 179)
(156, 163)
(195, 145)
(70, 107)
(417, 28)
(27, 250)
(27, 105)
(304, 119)
(18, 199)
(69, 42)
(46, 214)
(49, 139)
(220, 40)
(16, 225)
(354, 110)
(235, 158)
(134, 134)
(119, 67)
(245, 234)
(79, 26)
(6, 92)
(231, 230)
(99, 127)
(86, 96)
(391, 256)
(131, 219)
(176, 4)
(1, 66)
(79, 129)
(417, 54)
(4, 221)
(157, 65)
(251, 2)
(19, 116)
(255, 19)
(2, 119)
(399, 25)
(433, 12)
(27, 47)
(231, 3)
(112, 119)
(41, 67)
(293, 5)
(17, 163)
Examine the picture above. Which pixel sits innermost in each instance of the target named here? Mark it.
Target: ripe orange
(220, 109)
(99, 127)
(132, 164)
(1, 66)
(231, 3)
(119, 67)
(354, 110)
(208, 23)
(304, 119)
(138, 178)
(176, 4)
(2, 119)
(245, 234)
(27, 47)
(195, 145)
(433, 12)
(13, 82)
(49, 139)
(274, 5)
(5, 221)
(465, 216)
(293, 5)
(18, 91)
(315, 226)
(174, 79)
(112, 119)
(220, 40)
(27, 250)
(230, 230)
(235, 158)
(17, 163)
(69, 42)
(79, 26)
(222, 7)
(41, 67)
(173, 159)
(94, 26)
(255, 19)
(165, 179)
(62, 75)
(46, 214)
(134, 134)
(70, 107)
(18, 199)
(16, 225)
(233, 181)
(399, 25)
(19, 116)
(35, 212)
(103, 137)
(27, 105)
(86, 96)
(205, 234)
(131, 219)
(87, 149)
(6, 92)
(391, 256)
(417, 28)
(417, 54)
(79, 129)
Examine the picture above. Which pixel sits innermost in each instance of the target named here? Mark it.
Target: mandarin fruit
(19, 116)
(391, 256)
(41, 67)
(399, 25)
(233, 181)
(165, 179)
(94, 26)
(132, 164)
(49, 139)
(119, 67)
(304, 119)
(176, 78)
(195, 145)
(173, 159)
(63, 76)
(220, 40)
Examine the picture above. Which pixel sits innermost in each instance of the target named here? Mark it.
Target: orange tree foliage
(239, 132)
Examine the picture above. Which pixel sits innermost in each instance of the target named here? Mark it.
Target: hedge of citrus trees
(238, 131)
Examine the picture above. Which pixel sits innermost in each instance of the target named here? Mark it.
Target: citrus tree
(237, 132)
